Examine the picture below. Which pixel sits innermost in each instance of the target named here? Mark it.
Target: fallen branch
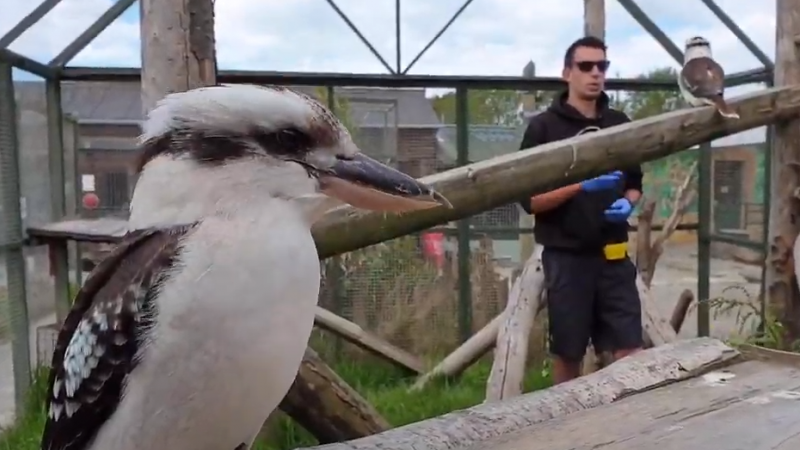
(464, 356)
(327, 407)
(511, 350)
(682, 307)
(356, 335)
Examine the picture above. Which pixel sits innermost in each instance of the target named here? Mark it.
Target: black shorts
(590, 298)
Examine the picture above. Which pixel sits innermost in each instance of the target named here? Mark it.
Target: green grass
(382, 385)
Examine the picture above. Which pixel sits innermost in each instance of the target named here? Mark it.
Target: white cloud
(492, 37)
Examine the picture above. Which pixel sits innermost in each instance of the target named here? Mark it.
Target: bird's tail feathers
(723, 108)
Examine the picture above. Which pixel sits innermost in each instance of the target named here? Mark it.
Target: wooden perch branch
(484, 185)
(511, 350)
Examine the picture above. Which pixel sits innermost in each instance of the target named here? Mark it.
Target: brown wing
(703, 78)
(99, 341)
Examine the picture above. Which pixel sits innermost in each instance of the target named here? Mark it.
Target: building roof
(120, 102)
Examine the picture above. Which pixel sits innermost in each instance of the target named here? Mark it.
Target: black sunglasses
(587, 66)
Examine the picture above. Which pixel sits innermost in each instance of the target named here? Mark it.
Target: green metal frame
(58, 69)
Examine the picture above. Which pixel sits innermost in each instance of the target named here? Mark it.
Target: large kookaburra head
(225, 148)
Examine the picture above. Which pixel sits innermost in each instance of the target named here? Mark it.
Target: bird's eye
(288, 141)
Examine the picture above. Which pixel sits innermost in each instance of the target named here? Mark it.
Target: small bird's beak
(365, 183)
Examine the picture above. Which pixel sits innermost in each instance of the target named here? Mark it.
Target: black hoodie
(578, 224)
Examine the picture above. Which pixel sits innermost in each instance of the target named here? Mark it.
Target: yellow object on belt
(615, 252)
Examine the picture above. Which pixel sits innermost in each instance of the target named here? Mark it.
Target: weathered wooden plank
(643, 371)
(485, 185)
(749, 406)
(105, 230)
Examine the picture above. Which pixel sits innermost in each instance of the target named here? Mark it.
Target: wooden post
(594, 18)
(781, 282)
(178, 47)
(526, 242)
(594, 24)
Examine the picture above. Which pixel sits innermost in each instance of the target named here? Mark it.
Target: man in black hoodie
(583, 227)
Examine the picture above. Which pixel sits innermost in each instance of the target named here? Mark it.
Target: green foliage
(748, 319)
(639, 105)
(381, 384)
(27, 431)
(484, 107)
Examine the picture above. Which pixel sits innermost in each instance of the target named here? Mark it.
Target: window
(113, 190)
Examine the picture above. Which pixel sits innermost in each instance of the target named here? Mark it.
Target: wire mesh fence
(426, 292)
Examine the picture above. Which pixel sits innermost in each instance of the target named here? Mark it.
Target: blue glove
(619, 211)
(603, 182)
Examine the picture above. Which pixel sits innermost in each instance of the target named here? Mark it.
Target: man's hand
(603, 182)
(619, 211)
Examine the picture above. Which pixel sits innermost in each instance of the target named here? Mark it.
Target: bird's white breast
(232, 327)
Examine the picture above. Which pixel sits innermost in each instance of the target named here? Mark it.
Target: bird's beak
(365, 183)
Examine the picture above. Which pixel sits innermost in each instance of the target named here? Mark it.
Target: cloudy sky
(492, 37)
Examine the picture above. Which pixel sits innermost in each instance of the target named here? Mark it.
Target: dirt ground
(677, 270)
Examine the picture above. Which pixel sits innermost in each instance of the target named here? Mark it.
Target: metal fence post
(58, 204)
(11, 238)
(703, 239)
(464, 250)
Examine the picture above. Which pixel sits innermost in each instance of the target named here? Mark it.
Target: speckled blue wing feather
(100, 341)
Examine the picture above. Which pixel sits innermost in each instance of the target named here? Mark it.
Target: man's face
(586, 75)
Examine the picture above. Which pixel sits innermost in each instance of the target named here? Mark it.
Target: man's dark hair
(587, 41)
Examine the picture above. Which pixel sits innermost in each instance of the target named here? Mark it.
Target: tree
(639, 105)
(486, 107)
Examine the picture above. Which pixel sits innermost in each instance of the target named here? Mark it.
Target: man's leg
(570, 295)
(618, 313)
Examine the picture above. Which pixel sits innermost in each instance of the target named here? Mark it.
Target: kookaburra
(702, 80)
(191, 332)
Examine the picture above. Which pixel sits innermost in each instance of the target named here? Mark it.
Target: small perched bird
(702, 80)
(191, 332)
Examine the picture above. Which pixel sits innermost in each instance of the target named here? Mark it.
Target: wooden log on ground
(484, 185)
(643, 371)
(327, 407)
(353, 333)
(511, 349)
(464, 356)
(681, 309)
